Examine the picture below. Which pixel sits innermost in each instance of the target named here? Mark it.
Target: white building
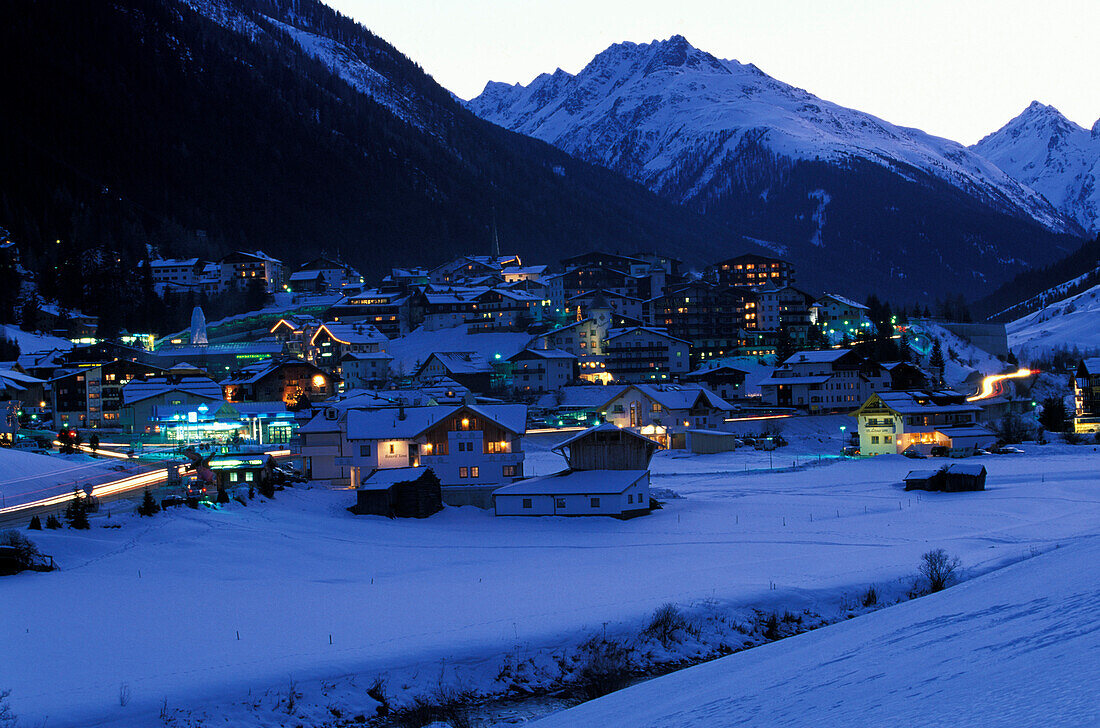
(542, 370)
(665, 408)
(645, 354)
(362, 370)
(891, 422)
(824, 380)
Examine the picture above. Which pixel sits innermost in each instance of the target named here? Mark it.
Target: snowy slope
(1013, 648)
(1052, 155)
(1069, 323)
(168, 595)
(669, 115)
(31, 343)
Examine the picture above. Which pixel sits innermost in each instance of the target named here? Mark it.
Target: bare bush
(123, 694)
(25, 549)
(448, 704)
(605, 667)
(938, 568)
(667, 620)
(8, 719)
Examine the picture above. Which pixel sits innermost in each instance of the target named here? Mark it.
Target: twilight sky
(955, 68)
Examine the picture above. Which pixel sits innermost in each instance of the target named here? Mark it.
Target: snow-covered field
(1073, 322)
(30, 343)
(1018, 647)
(158, 603)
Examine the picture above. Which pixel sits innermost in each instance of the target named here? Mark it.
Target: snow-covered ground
(1018, 647)
(158, 603)
(1072, 322)
(30, 343)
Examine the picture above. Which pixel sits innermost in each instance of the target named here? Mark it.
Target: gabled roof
(676, 397)
(137, 390)
(541, 354)
(822, 356)
(663, 333)
(386, 478)
(409, 422)
(575, 482)
(842, 301)
(602, 427)
(914, 402)
(351, 333)
(458, 362)
(1090, 366)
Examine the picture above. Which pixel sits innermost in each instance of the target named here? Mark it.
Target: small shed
(964, 476)
(399, 493)
(925, 480)
(710, 441)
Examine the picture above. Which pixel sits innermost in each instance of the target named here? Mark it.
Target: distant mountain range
(202, 126)
(825, 185)
(1053, 156)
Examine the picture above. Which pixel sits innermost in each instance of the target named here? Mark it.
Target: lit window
(474, 472)
(464, 472)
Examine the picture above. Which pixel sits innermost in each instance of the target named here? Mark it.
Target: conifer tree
(148, 505)
(76, 513)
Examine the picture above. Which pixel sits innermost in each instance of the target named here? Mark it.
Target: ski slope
(1072, 322)
(159, 603)
(1017, 647)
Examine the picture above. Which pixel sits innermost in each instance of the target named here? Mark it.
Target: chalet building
(173, 275)
(542, 370)
(620, 304)
(891, 422)
(710, 317)
(333, 339)
(468, 368)
(307, 281)
(751, 270)
(362, 370)
(91, 396)
(393, 312)
(824, 380)
(661, 409)
(291, 381)
(784, 307)
(607, 475)
(725, 381)
(1086, 396)
(583, 339)
(141, 396)
(645, 354)
(28, 391)
(295, 332)
(239, 269)
(335, 274)
(839, 317)
(469, 267)
(903, 375)
(466, 446)
(447, 309)
(502, 309)
(65, 323)
(518, 273)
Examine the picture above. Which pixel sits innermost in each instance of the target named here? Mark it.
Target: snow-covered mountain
(1054, 156)
(673, 117)
(1073, 322)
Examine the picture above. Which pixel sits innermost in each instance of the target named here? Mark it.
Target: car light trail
(993, 385)
(757, 417)
(143, 480)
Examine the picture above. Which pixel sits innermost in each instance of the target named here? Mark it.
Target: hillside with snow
(1054, 156)
(1071, 322)
(814, 179)
(1013, 648)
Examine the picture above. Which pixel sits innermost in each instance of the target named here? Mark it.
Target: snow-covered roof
(920, 474)
(542, 353)
(723, 370)
(842, 301)
(460, 362)
(921, 403)
(679, 397)
(663, 333)
(773, 380)
(819, 356)
(408, 422)
(352, 333)
(1091, 365)
(575, 482)
(306, 275)
(386, 478)
(965, 469)
(137, 390)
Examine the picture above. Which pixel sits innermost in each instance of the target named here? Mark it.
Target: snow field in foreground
(157, 604)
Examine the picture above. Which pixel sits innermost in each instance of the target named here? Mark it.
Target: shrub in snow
(938, 568)
(148, 505)
(8, 719)
(53, 522)
(870, 597)
(25, 549)
(771, 627)
(605, 667)
(36, 524)
(667, 620)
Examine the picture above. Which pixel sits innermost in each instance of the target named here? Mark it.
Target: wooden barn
(607, 447)
(924, 480)
(710, 441)
(965, 476)
(399, 493)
